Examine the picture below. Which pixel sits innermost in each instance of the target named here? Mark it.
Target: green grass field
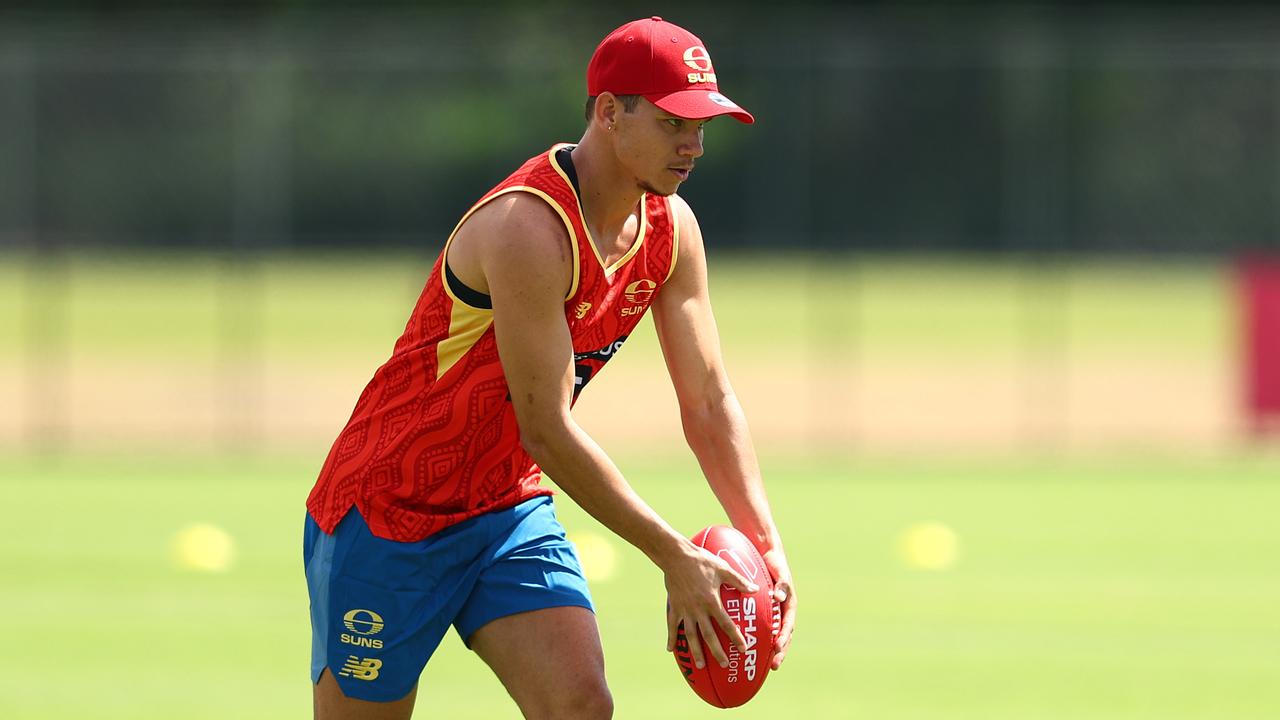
(173, 304)
(1084, 589)
(1085, 353)
(1131, 581)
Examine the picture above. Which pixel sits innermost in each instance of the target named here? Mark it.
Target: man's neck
(609, 195)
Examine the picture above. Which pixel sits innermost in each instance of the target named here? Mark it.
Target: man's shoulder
(683, 215)
(515, 215)
(680, 207)
(517, 227)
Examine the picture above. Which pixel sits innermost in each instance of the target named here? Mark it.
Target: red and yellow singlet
(433, 438)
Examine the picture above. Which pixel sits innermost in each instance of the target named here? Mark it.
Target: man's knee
(596, 704)
(588, 700)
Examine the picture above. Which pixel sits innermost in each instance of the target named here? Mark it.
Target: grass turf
(352, 306)
(1143, 588)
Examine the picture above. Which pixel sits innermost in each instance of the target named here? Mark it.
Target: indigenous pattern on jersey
(433, 438)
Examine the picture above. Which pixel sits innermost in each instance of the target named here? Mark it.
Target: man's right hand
(693, 579)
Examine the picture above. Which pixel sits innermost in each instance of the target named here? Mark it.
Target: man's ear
(607, 106)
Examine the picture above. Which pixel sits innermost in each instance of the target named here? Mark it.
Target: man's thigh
(550, 661)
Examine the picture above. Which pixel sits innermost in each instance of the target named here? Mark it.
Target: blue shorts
(379, 608)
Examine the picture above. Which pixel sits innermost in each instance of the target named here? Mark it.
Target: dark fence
(1141, 130)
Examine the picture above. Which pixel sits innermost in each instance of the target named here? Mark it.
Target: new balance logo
(361, 668)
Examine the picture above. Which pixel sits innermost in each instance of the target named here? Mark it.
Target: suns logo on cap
(699, 59)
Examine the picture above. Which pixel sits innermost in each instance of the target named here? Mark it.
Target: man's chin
(660, 193)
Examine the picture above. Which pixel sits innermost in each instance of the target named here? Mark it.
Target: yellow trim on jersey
(675, 237)
(466, 325)
(635, 247)
(564, 218)
(644, 224)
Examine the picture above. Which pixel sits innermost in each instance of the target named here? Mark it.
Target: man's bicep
(526, 274)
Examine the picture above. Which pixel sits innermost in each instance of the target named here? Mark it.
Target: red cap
(666, 64)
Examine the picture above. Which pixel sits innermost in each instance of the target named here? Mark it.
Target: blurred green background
(972, 267)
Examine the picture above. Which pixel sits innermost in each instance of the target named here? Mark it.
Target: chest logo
(581, 311)
(640, 292)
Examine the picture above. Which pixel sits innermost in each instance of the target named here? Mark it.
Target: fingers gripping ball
(755, 616)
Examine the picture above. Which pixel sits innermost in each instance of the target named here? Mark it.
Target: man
(537, 287)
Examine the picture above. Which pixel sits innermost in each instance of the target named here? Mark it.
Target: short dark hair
(629, 103)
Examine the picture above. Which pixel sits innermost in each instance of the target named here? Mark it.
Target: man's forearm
(718, 435)
(585, 472)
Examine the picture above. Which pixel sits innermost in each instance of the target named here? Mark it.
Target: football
(755, 616)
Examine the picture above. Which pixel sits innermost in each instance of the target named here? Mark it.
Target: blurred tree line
(880, 126)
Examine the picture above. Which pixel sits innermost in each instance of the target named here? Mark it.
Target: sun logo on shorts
(363, 622)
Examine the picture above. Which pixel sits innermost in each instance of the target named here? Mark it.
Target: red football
(755, 616)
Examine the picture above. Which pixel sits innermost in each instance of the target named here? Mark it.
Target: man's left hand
(784, 593)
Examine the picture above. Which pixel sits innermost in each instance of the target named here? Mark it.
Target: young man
(537, 287)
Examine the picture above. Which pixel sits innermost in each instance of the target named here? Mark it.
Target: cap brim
(700, 104)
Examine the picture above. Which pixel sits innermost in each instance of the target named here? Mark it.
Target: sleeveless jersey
(433, 438)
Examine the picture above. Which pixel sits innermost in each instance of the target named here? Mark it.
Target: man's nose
(692, 146)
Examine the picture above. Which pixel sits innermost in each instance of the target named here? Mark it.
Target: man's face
(657, 147)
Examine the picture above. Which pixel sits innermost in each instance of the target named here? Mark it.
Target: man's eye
(675, 122)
